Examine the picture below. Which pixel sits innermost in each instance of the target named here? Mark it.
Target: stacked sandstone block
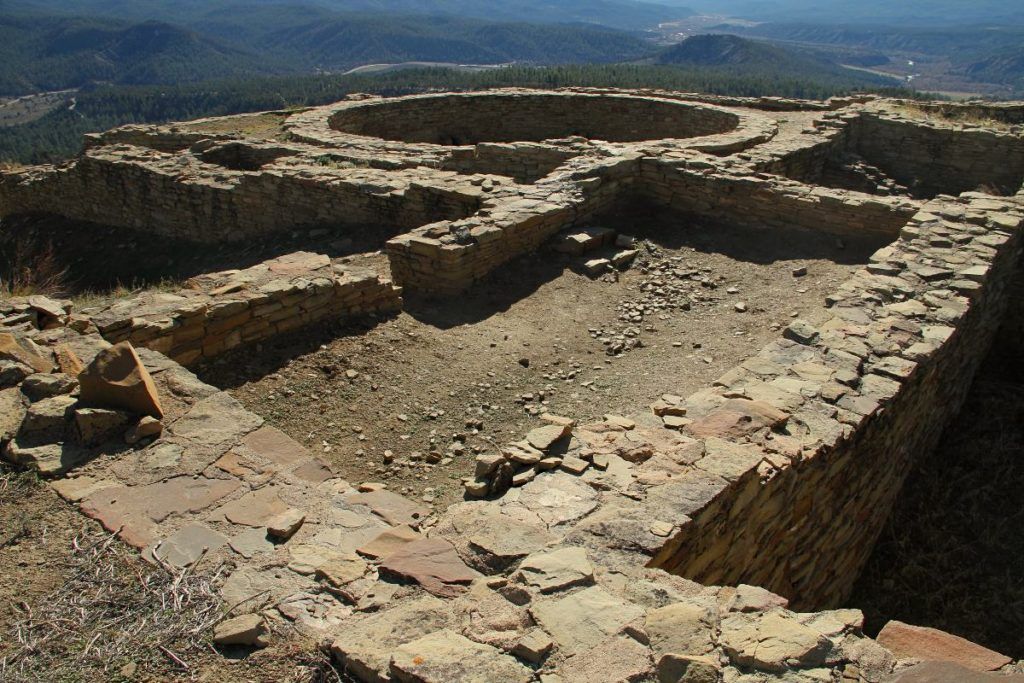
(220, 311)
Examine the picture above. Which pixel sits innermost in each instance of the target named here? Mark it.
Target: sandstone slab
(445, 656)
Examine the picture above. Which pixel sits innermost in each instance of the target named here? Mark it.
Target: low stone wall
(185, 196)
(220, 311)
(853, 405)
(447, 258)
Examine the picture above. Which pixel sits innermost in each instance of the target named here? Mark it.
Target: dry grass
(952, 555)
(32, 270)
(962, 116)
(113, 616)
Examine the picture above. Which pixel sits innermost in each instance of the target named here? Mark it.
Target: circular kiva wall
(471, 118)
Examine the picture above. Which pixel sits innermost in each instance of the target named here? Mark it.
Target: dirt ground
(447, 379)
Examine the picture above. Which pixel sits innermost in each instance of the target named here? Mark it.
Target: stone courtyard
(691, 478)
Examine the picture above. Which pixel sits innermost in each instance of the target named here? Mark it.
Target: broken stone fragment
(12, 412)
(47, 419)
(12, 373)
(145, 428)
(543, 438)
(284, 525)
(683, 668)
(46, 385)
(23, 350)
(556, 570)
(248, 629)
(596, 266)
(93, 426)
(117, 379)
(534, 646)
(919, 642)
(802, 332)
(433, 563)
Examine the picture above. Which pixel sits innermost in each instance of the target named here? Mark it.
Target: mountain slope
(46, 53)
(905, 12)
(623, 14)
(754, 56)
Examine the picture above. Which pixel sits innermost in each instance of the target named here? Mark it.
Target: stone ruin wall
(234, 206)
(787, 468)
(805, 529)
(471, 118)
(220, 311)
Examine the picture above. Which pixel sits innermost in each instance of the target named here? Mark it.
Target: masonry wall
(757, 201)
(200, 327)
(433, 261)
(466, 119)
(238, 206)
(934, 160)
(805, 528)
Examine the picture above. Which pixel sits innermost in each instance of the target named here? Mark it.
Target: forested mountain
(625, 14)
(53, 53)
(48, 53)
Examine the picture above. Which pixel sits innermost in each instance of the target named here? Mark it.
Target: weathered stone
(543, 438)
(93, 426)
(188, 545)
(583, 619)
(365, 647)
(248, 629)
(919, 642)
(284, 525)
(678, 668)
(746, 598)
(556, 570)
(802, 332)
(145, 428)
(20, 349)
(737, 418)
(534, 646)
(948, 672)
(48, 418)
(446, 656)
(772, 642)
(341, 571)
(218, 421)
(432, 563)
(388, 542)
(117, 379)
(682, 628)
(12, 412)
(47, 385)
(391, 507)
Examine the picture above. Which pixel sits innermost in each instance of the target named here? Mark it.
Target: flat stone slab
(948, 672)
(391, 507)
(929, 644)
(134, 511)
(251, 542)
(387, 542)
(275, 446)
(187, 545)
(580, 621)
(365, 646)
(432, 563)
(254, 509)
(556, 570)
(445, 656)
(218, 421)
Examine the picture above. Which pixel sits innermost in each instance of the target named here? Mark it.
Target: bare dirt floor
(409, 401)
